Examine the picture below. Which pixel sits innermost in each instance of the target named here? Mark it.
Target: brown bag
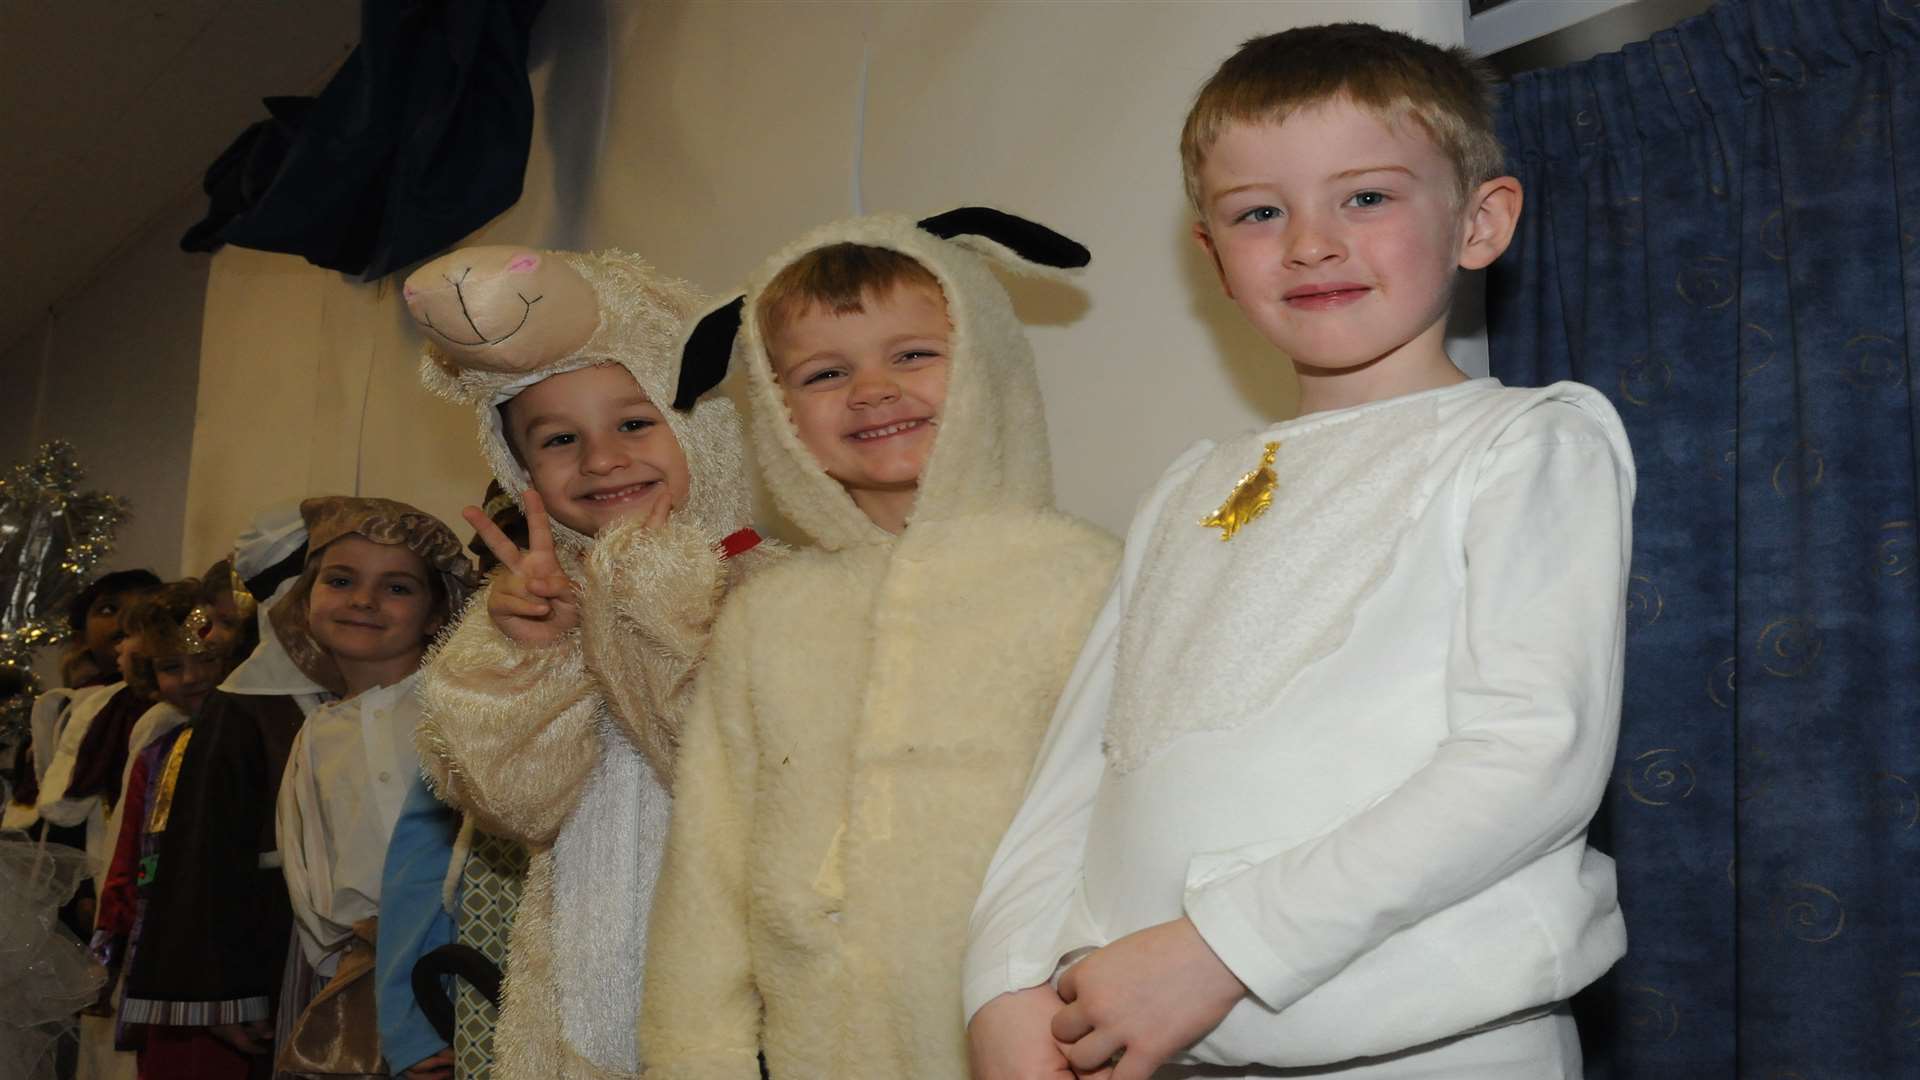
(337, 1036)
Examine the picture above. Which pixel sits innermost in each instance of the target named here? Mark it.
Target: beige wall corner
(112, 370)
(307, 388)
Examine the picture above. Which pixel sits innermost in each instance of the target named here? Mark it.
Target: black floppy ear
(1029, 240)
(703, 359)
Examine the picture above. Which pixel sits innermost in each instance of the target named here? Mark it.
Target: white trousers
(1541, 1048)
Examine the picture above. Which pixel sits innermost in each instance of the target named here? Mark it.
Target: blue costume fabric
(413, 922)
(1722, 233)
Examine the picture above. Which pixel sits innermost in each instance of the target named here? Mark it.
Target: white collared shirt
(347, 776)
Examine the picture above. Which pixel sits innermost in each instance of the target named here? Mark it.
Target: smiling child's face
(183, 680)
(865, 390)
(371, 603)
(595, 447)
(1337, 234)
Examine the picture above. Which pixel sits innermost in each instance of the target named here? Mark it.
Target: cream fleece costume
(1358, 744)
(570, 748)
(868, 713)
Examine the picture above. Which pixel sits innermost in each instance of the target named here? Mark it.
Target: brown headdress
(382, 521)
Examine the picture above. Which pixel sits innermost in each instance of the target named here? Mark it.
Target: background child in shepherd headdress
(216, 929)
(382, 579)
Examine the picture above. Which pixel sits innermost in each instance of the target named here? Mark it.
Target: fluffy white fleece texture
(570, 749)
(865, 722)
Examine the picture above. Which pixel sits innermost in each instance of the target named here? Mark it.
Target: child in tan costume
(865, 722)
(552, 710)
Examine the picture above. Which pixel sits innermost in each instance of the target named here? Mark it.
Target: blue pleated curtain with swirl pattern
(1722, 232)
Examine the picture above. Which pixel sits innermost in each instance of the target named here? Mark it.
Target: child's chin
(603, 517)
(583, 520)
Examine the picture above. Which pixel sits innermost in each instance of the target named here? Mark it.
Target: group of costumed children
(1298, 779)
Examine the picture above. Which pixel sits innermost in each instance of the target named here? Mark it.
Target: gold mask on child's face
(197, 633)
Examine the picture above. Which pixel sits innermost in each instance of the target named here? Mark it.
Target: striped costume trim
(194, 1013)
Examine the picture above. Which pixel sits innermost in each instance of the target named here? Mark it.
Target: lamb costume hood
(870, 708)
(570, 748)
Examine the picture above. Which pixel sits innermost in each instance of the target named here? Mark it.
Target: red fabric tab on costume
(737, 542)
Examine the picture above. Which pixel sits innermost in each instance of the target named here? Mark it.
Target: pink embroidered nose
(520, 264)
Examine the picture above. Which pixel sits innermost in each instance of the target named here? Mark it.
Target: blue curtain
(1722, 232)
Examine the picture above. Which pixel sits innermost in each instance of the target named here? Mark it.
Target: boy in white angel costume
(1317, 796)
(552, 710)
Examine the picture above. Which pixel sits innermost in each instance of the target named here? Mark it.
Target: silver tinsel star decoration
(52, 535)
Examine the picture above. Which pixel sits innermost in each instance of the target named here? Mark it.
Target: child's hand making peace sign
(531, 599)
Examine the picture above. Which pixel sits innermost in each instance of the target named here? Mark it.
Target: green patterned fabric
(490, 886)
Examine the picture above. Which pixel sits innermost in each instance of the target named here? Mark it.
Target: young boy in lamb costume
(552, 711)
(865, 721)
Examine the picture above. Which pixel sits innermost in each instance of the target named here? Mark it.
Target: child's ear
(1205, 239)
(1492, 213)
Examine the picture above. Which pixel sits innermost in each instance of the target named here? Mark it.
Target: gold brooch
(1250, 498)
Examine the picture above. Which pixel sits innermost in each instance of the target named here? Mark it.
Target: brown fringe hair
(1446, 92)
(157, 622)
(839, 278)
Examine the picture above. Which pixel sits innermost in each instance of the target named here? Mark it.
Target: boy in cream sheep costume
(570, 747)
(865, 721)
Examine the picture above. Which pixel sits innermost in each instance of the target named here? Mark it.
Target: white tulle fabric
(45, 973)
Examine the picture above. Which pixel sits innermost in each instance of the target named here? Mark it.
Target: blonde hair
(839, 278)
(1445, 91)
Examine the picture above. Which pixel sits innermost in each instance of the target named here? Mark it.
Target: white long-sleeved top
(69, 716)
(347, 776)
(1358, 744)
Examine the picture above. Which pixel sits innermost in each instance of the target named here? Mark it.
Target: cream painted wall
(703, 135)
(112, 369)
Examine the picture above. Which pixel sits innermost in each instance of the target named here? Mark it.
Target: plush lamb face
(498, 320)
(508, 310)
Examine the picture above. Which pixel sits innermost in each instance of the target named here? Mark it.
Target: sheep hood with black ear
(869, 709)
(569, 747)
(991, 452)
(500, 319)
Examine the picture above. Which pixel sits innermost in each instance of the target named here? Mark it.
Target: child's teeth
(890, 429)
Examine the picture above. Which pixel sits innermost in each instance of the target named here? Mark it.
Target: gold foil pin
(1250, 498)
